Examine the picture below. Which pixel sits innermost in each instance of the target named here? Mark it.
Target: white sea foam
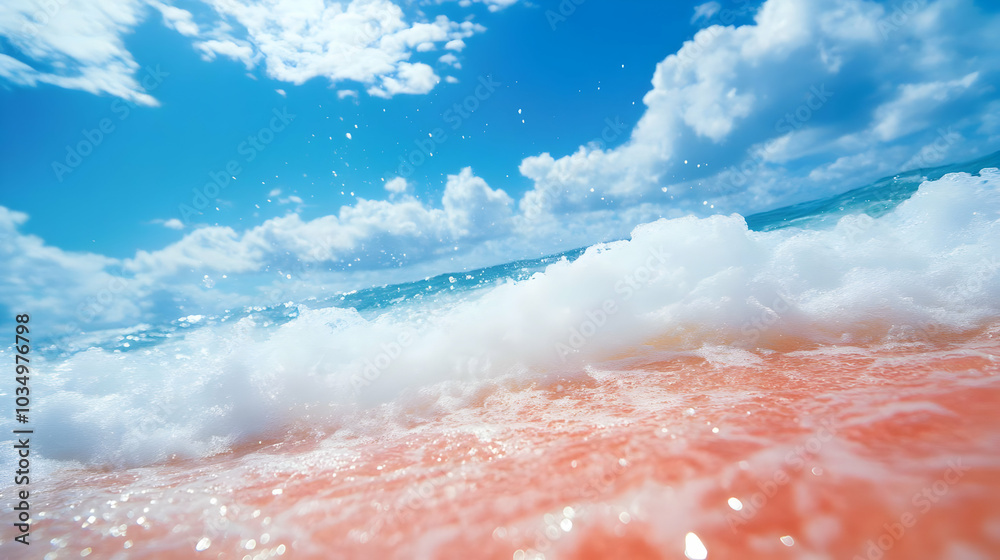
(931, 265)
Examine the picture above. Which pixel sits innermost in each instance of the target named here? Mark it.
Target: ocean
(817, 381)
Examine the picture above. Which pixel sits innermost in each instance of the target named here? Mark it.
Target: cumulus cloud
(79, 45)
(74, 45)
(473, 208)
(408, 78)
(370, 235)
(178, 19)
(366, 41)
(780, 108)
(808, 99)
(450, 59)
(73, 287)
(492, 5)
(705, 11)
(396, 185)
(908, 111)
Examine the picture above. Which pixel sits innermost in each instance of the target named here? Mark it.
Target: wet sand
(811, 452)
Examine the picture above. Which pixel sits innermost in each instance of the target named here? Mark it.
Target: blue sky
(154, 156)
(552, 125)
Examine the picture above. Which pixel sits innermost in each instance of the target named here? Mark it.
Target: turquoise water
(875, 199)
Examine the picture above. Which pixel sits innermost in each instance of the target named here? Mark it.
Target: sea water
(819, 381)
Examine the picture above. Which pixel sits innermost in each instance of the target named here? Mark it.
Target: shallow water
(699, 390)
(822, 450)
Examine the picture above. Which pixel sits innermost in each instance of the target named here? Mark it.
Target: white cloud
(705, 11)
(470, 210)
(80, 45)
(473, 208)
(173, 223)
(237, 50)
(908, 111)
(177, 19)
(370, 235)
(409, 78)
(396, 185)
(804, 99)
(815, 82)
(11, 219)
(291, 199)
(74, 287)
(74, 45)
(367, 41)
(492, 5)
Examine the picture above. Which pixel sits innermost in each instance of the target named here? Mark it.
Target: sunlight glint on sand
(825, 451)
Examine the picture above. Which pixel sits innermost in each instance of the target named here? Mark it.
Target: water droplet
(693, 547)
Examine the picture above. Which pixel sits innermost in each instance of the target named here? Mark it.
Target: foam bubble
(709, 286)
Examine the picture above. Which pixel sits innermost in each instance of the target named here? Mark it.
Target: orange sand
(885, 452)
